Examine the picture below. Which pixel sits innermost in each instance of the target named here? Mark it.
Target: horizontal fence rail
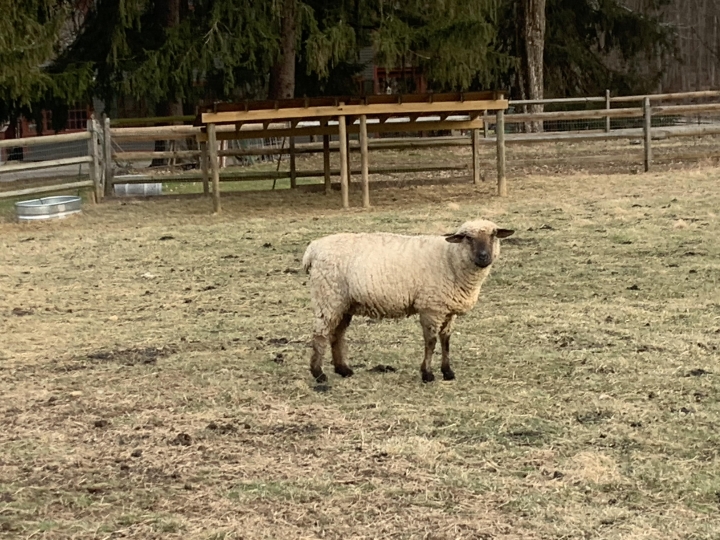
(44, 140)
(49, 164)
(61, 176)
(118, 148)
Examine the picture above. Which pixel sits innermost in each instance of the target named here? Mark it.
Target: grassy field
(155, 383)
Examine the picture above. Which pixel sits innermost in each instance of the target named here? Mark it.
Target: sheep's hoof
(448, 374)
(428, 376)
(321, 378)
(344, 371)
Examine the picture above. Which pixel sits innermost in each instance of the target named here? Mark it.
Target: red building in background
(374, 79)
(24, 127)
(77, 115)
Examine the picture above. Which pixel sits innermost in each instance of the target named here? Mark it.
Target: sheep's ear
(504, 233)
(454, 238)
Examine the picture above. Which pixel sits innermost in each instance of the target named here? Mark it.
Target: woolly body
(384, 275)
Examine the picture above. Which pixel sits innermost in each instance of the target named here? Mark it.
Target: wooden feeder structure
(342, 116)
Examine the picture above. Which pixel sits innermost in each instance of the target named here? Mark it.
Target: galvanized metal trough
(141, 190)
(48, 207)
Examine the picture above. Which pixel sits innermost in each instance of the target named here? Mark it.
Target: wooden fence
(488, 130)
(92, 182)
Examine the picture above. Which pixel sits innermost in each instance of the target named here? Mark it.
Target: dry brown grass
(159, 388)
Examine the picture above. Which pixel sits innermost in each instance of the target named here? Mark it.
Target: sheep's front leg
(445, 331)
(430, 332)
(319, 344)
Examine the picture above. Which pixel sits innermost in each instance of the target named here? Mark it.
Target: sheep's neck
(468, 277)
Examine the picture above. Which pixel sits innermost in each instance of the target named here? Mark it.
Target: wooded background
(165, 57)
(695, 27)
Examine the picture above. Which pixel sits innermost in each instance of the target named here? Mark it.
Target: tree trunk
(713, 56)
(534, 41)
(167, 13)
(282, 74)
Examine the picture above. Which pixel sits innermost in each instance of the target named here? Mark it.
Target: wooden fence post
(222, 160)
(475, 133)
(647, 131)
(204, 161)
(173, 159)
(326, 162)
(94, 169)
(107, 157)
(486, 125)
(500, 137)
(214, 166)
(607, 107)
(293, 175)
(342, 133)
(364, 159)
(349, 153)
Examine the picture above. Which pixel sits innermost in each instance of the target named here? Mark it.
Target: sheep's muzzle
(483, 261)
(482, 251)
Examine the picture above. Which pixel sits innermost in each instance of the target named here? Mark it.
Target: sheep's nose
(482, 259)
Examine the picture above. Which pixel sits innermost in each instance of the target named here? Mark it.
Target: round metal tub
(48, 207)
(143, 190)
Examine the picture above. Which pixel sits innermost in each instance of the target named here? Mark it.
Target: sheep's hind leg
(339, 347)
(430, 332)
(445, 331)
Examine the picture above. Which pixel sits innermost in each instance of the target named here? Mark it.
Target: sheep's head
(481, 239)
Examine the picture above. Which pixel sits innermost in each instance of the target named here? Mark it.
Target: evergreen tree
(454, 41)
(166, 50)
(327, 58)
(32, 33)
(173, 52)
(593, 45)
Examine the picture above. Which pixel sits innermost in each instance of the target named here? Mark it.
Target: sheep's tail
(308, 257)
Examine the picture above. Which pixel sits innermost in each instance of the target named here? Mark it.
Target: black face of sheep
(482, 245)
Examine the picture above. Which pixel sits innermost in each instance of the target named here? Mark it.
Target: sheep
(384, 275)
